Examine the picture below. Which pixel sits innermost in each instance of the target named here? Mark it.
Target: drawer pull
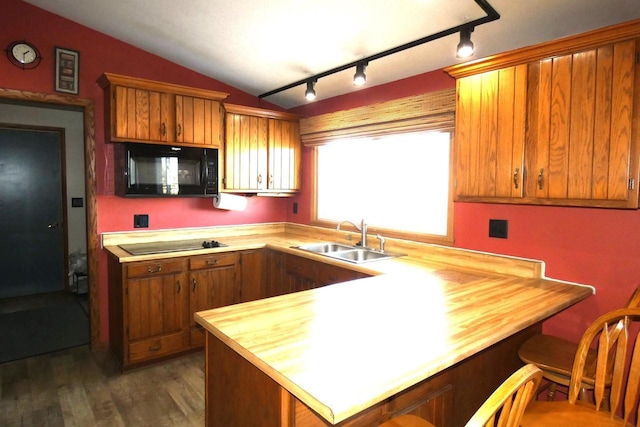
(212, 262)
(179, 129)
(164, 129)
(155, 348)
(157, 269)
(515, 178)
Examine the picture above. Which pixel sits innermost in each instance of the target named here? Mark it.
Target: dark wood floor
(75, 387)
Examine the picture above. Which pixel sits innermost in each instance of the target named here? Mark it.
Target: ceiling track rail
(491, 15)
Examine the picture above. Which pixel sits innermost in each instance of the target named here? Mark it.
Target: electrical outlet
(295, 207)
(498, 228)
(140, 221)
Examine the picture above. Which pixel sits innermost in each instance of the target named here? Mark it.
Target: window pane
(398, 182)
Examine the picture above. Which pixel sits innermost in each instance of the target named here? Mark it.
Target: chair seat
(407, 421)
(555, 355)
(564, 414)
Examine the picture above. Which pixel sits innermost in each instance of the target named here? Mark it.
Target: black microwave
(147, 170)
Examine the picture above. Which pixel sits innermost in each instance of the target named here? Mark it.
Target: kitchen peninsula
(432, 333)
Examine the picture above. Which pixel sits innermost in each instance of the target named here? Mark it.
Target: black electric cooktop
(170, 246)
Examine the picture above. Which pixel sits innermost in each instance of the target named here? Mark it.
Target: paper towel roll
(229, 202)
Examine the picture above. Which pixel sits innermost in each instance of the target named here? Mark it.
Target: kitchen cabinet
(152, 303)
(579, 145)
(253, 266)
(554, 124)
(490, 133)
(275, 273)
(301, 274)
(147, 302)
(262, 151)
(214, 281)
(138, 110)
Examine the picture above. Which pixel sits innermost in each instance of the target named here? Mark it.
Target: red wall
(99, 54)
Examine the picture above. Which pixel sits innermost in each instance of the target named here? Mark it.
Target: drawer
(213, 260)
(150, 268)
(155, 347)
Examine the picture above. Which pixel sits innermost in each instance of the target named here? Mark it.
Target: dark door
(31, 212)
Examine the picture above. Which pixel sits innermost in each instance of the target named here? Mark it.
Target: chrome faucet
(382, 241)
(362, 229)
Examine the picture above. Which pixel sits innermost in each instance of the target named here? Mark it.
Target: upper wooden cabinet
(554, 124)
(148, 111)
(262, 150)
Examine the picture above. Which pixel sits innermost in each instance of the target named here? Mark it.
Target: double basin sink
(354, 254)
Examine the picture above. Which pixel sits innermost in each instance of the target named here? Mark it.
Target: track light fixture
(360, 78)
(465, 47)
(310, 93)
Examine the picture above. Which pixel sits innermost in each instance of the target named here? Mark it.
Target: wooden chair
(554, 355)
(503, 408)
(610, 334)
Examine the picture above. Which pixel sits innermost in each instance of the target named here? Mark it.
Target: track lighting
(310, 93)
(465, 47)
(360, 78)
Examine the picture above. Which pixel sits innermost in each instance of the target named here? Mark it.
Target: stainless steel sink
(324, 248)
(348, 253)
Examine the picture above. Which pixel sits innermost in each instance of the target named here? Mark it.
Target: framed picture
(67, 70)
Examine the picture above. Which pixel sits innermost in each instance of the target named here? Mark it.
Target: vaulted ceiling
(258, 46)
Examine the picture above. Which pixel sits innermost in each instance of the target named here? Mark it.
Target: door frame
(87, 105)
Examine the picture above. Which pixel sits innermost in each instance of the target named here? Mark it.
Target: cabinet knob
(541, 179)
(259, 178)
(193, 285)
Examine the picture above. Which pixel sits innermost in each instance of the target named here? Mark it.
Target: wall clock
(23, 55)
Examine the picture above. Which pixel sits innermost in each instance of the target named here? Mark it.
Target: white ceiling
(261, 45)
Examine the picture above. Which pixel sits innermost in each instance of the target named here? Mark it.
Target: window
(398, 183)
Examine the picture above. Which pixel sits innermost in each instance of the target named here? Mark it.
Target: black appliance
(148, 170)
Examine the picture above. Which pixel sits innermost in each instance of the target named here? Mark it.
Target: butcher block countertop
(345, 347)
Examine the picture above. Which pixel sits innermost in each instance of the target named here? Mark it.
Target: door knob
(54, 225)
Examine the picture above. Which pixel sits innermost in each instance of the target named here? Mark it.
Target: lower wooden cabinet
(214, 281)
(152, 303)
(147, 309)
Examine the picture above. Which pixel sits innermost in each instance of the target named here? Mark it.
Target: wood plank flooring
(75, 387)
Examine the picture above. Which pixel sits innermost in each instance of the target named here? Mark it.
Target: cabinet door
(198, 121)
(490, 133)
(155, 316)
(245, 152)
(214, 282)
(141, 115)
(254, 275)
(300, 273)
(580, 142)
(284, 155)
(275, 273)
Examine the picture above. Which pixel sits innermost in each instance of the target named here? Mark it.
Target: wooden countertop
(342, 348)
